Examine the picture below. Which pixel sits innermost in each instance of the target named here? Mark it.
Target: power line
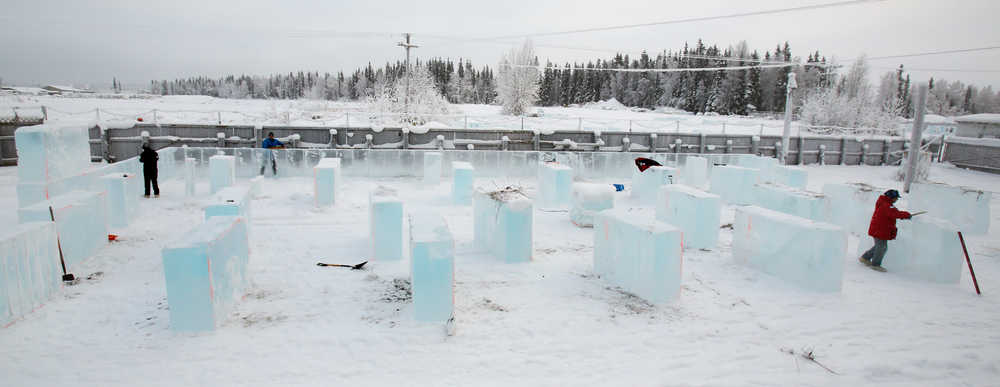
(690, 20)
(634, 70)
(941, 70)
(935, 53)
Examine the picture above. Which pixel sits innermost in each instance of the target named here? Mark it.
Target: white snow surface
(547, 322)
(981, 118)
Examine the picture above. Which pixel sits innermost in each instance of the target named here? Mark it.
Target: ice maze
(432, 268)
(968, 208)
(222, 172)
(503, 224)
(791, 200)
(807, 253)
(123, 190)
(694, 172)
(641, 255)
(205, 273)
(81, 222)
(925, 248)
(697, 213)
(385, 224)
(734, 184)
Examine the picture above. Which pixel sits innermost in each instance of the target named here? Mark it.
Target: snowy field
(605, 115)
(548, 322)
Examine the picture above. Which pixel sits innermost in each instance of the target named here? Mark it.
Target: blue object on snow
(619, 187)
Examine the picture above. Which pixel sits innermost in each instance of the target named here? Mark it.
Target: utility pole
(785, 136)
(407, 46)
(915, 133)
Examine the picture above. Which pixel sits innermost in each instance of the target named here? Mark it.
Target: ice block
(734, 184)
(29, 268)
(432, 168)
(646, 185)
(697, 213)
(123, 198)
(850, 206)
(926, 248)
(222, 172)
(326, 181)
(554, 185)
(385, 224)
(503, 224)
(432, 268)
(640, 254)
(463, 180)
(81, 222)
(790, 200)
(966, 207)
(588, 199)
(695, 172)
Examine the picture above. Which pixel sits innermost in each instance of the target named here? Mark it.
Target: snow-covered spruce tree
(424, 101)
(517, 80)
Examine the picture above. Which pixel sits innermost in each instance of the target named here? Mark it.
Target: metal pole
(407, 46)
(967, 260)
(788, 117)
(918, 127)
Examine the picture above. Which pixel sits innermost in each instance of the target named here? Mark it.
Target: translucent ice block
(51, 152)
(432, 167)
(764, 165)
(925, 248)
(638, 253)
(554, 185)
(807, 253)
(588, 199)
(432, 267)
(231, 201)
(385, 224)
(81, 222)
(222, 172)
(646, 185)
(850, 206)
(790, 200)
(326, 181)
(694, 173)
(463, 180)
(255, 186)
(697, 213)
(790, 176)
(966, 207)
(503, 225)
(734, 184)
(29, 268)
(205, 273)
(189, 176)
(123, 198)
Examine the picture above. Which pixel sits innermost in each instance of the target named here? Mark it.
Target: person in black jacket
(148, 159)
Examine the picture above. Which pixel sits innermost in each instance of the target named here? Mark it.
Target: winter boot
(865, 261)
(878, 268)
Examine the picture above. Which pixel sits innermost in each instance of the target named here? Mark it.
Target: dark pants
(877, 252)
(274, 167)
(149, 175)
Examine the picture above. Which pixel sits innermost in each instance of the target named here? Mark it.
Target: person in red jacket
(883, 228)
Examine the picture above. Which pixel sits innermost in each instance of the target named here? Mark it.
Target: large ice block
(221, 172)
(29, 268)
(790, 200)
(326, 181)
(588, 199)
(807, 253)
(51, 152)
(926, 248)
(432, 167)
(503, 224)
(790, 176)
(189, 176)
(764, 165)
(385, 224)
(432, 267)
(555, 186)
(81, 222)
(231, 201)
(646, 184)
(734, 184)
(255, 186)
(850, 206)
(123, 198)
(463, 180)
(694, 173)
(205, 273)
(697, 213)
(966, 207)
(640, 254)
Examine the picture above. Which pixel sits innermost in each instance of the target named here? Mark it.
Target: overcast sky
(89, 42)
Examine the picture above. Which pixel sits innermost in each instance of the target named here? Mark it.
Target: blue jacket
(271, 143)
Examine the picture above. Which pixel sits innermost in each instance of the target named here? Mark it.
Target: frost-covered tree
(853, 104)
(416, 107)
(517, 80)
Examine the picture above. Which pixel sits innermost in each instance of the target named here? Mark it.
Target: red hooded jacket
(883, 225)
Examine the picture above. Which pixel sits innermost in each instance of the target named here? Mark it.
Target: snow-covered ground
(548, 322)
(604, 116)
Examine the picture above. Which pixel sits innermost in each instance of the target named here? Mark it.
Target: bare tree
(517, 80)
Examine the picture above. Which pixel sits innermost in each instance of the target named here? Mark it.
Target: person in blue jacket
(268, 144)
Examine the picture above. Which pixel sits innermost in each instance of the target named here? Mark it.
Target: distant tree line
(741, 91)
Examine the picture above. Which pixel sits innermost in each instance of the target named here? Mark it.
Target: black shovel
(353, 267)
